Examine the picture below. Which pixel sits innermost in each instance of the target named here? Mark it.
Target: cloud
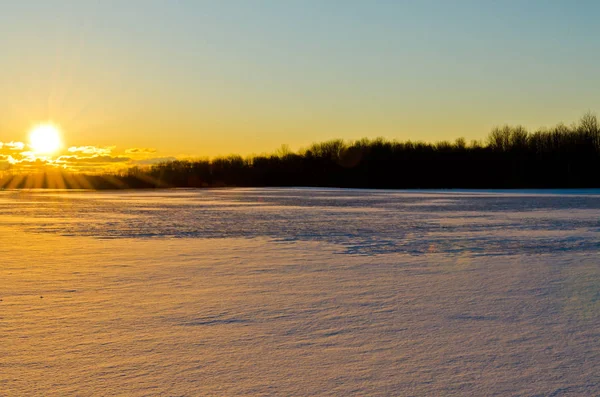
(17, 157)
(12, 145)
(79, 160)
(91, 150)
(155, 160)
(92, 163)
(137, 150)
(29, 160)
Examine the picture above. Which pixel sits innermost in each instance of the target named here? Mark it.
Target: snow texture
(299, 292)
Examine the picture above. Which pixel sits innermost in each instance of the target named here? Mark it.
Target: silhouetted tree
(511, 157)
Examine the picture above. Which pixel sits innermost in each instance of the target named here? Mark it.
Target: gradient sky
(205, 78)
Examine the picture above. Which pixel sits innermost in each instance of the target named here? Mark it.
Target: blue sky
(215, 77)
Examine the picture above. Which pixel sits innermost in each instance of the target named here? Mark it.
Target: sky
(140, 81)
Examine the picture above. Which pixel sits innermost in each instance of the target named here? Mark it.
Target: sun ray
(152, 180)
(113, 180)
(15, 181)
(60, 181)
(6, 180)
(70, 181)
(82, 181)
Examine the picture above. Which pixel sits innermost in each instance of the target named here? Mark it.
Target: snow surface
(299, 292)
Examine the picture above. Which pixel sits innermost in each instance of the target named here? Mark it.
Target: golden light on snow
(45, 139)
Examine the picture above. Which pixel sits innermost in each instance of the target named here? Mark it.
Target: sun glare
(45, 139)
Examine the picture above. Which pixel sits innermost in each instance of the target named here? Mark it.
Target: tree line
(511, 157)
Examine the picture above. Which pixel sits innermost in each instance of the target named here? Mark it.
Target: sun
(45, 139)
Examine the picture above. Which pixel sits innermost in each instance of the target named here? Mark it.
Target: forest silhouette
(511, 157)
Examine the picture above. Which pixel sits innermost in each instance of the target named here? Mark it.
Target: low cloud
(137, 150)
(81, 160)
(155, 160)
(12, 145)
(17, 157)
(91, 150)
